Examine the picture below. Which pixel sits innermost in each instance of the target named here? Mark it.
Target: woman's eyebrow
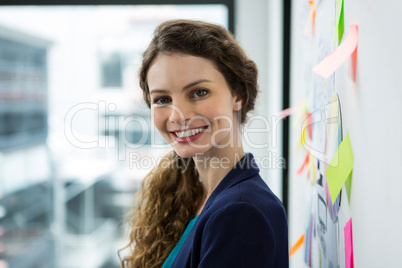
(159, 91)
(184, 88)
(195, 83)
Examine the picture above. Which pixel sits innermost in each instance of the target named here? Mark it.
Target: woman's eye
(200, 92)
(161, 100)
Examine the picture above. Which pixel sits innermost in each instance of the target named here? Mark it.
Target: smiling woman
(212, 115)
(205, 204)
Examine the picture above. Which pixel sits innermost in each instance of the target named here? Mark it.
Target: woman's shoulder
(247, 221)
(245, 214)
(251, 194)
(243, 234)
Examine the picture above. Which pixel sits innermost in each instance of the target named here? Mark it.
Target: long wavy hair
(172, 192)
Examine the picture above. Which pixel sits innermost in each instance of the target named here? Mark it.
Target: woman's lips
(180, 130)
(188, 139)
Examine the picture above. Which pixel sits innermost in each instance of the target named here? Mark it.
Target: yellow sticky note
(302, 138)
(340, 168)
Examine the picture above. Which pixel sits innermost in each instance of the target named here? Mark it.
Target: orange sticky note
(311, 17)
(296, 246)
(334, 60)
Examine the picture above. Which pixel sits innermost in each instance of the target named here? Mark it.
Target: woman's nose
(180, 113)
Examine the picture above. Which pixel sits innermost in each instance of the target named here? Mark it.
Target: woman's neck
(213, 168)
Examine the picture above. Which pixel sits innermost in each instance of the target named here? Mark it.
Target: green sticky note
(340, 168)
(348, 186)
(339, 19)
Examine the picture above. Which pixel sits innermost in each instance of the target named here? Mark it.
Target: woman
(205, 204)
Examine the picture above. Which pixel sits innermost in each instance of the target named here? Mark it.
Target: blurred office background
(76, 138)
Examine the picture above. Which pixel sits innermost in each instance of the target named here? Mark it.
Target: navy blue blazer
(243, 224)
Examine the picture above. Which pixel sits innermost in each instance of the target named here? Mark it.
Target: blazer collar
(245, 168)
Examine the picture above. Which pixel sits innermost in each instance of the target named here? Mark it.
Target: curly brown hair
(171, 194)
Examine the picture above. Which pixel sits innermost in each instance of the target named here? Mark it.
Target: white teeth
(188, 133)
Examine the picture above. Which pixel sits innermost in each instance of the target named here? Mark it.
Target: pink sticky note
(286, 112)
(348, 244)
(291, 110)
(334, 60)
(353, 64)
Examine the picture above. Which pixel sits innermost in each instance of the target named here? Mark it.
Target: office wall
(370, 111)
(259, 31)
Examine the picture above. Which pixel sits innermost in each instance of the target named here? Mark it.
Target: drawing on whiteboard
(321, 113)
(327, 230)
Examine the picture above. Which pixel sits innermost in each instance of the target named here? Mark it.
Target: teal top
(172, 256)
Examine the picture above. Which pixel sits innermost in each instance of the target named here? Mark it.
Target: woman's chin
(185, 154)
(188, 153)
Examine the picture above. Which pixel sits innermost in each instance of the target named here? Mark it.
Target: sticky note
(302, 138)
(353, 64)
(296, 246)
(313, 12)
(335, 59)
(339, 168)
(348, 185)
(304, 165)
(311, 17)
(313, 168)
(348, 244)
(339, 19)
(289, 111)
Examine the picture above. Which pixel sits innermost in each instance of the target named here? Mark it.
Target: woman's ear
(237, 104)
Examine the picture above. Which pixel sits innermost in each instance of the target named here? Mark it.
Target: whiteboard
(371, 108)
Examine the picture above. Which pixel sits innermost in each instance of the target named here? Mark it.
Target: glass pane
(76, 138)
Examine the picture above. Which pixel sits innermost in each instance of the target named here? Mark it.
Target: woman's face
(189, 95)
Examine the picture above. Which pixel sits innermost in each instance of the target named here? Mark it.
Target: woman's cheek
(158, 118)
(216, 111)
